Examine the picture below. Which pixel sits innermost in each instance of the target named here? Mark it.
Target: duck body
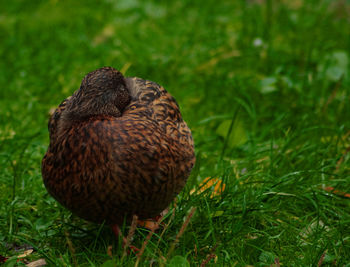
(108, 167)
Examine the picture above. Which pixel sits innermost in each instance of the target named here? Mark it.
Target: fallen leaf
(25, 253)
(215, 183)
(336, 192)
(37, 263)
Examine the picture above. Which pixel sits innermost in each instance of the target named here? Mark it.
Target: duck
(119, 147)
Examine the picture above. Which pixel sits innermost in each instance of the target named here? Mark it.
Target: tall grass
(264, 86)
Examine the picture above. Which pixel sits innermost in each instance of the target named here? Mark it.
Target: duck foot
(153, 223)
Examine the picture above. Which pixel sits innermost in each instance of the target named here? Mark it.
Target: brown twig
(182, 230)
(71, 248)
(319, 264)
(208, 259)
(130, 234)
(210, 256)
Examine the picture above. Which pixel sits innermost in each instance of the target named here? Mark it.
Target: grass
(264, 86)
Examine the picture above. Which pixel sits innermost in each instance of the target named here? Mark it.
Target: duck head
(102, 92)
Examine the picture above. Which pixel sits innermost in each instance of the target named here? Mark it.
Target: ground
(264, 86)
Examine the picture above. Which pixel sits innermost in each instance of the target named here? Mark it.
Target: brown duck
(118, 147)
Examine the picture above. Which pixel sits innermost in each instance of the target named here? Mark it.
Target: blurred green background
(263, 84)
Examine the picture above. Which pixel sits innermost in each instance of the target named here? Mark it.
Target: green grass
(264, 86)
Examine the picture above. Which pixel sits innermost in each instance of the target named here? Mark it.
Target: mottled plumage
(118, 147)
